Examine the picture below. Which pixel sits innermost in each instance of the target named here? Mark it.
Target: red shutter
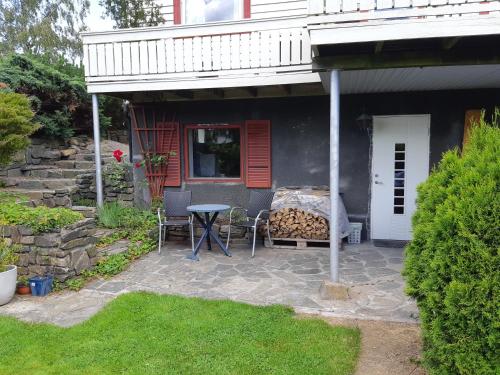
(258, 153)
(177, 12)
(246, 8)
(168, 134)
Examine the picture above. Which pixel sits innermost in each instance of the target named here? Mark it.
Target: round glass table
(206, 215)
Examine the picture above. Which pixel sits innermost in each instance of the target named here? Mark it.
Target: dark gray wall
(299, 145)
(300, 140)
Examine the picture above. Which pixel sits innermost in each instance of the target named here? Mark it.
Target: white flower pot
(8, 281)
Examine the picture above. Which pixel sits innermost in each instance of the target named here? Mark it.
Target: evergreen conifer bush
(452, 265)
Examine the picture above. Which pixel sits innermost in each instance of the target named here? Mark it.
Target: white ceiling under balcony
(420, 79)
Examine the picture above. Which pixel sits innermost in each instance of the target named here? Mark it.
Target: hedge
(452, 265)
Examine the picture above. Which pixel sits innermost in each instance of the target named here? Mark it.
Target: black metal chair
(174, 206)
(259, 207)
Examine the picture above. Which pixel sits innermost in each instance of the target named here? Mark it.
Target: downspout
(97, 150)
(334, 174)
(128, 124)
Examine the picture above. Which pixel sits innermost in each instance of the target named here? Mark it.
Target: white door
(400, 161)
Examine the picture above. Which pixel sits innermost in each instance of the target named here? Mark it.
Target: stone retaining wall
(121, 190)
(120, 135)
(64, 253)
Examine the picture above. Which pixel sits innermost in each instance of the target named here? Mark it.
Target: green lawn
(143, 333)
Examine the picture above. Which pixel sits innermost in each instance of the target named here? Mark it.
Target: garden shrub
(15, 124)
(58, 95)
(452, 265)
(39, 219)
(113, 215)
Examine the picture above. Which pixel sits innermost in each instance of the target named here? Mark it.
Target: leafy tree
(42, 27)
(16, 124)
(132, 13)
(452, 265)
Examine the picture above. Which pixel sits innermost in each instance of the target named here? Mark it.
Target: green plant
(156, 202)
(8, 254)
(22, 281)
(16, 124)
(111, 238)
(9, 197)
(57, 93)
(40, 219)
(57, 286)
(75, 284)
(112, 265)
(110, 215)
(113, 215)
(115, 174)
(452, 265)
(87, 202)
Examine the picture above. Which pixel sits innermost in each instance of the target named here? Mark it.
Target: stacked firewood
(297, 223)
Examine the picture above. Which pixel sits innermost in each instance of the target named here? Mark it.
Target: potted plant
(8, 271)
(23, 286)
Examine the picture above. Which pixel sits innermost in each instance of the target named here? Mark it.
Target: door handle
(378, 182)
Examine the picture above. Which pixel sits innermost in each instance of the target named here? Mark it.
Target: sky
(94, 20)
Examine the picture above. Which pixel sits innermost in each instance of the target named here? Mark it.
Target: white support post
(97, 151)
(334, 174)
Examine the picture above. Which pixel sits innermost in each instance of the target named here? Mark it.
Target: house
(361, 95)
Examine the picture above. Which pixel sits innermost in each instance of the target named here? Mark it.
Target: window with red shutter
(258, 153)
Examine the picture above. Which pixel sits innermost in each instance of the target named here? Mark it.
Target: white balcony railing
(364, 10)
(356, 21)
(196, 51)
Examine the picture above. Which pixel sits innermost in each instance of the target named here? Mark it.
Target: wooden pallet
(297, 243)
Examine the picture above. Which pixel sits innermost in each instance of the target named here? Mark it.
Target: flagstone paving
(274, 276)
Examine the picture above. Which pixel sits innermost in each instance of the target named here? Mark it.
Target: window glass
(201, 11)
(399, 178)
(214, 152)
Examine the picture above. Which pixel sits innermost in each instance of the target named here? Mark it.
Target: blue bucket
(41, 285)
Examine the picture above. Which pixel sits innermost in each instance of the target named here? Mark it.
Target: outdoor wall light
(364, 120)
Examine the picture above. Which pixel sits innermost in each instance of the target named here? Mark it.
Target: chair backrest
(259, 200)
(175, 203)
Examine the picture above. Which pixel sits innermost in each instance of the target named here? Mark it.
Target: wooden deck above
(275, 52)
(229, 54)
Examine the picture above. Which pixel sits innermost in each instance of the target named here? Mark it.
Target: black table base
(207, 224)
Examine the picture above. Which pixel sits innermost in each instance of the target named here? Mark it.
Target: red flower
(138, 164)
(118, 155)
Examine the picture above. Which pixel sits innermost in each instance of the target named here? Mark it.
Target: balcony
(221, 55)
(356, 21)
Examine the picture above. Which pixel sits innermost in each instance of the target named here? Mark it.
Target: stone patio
(275, 276)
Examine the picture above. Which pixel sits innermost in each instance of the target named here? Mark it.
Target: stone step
(39, 183)
(85, 211)
(59, 172)
(118, 247)
(83, 164)
(84, 157)
(47, 197)
(70, 164)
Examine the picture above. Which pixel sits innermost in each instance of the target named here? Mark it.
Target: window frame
(180, 13)
(188, 178)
